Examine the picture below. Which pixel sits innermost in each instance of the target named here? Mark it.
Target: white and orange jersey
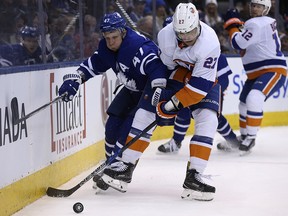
(201, 59)
(261, 45)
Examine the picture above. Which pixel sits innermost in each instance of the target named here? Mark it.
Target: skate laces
(171, 145)
(118, 166)
(199, 177)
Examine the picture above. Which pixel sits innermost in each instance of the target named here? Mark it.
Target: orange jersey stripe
(200, 151)
(255, 74)
(182, 75)
(253, 122)
(139, 145)
(188, 97)
(242, 124)
(272, 83)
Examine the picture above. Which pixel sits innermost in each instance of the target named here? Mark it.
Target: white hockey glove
(161, 94)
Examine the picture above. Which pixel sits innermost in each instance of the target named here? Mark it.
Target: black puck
(78, 207)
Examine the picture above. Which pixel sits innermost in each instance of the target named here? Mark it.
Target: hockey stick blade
(14, 107)
(54, 192)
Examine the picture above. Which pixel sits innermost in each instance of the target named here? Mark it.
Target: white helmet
(266, 3)
(185, 18)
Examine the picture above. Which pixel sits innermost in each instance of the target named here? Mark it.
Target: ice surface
(252, 185)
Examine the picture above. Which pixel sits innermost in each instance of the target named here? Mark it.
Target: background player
(182, 121)
(28, 52)
(263, 61)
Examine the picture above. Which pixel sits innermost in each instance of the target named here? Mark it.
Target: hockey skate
(231, 144)
(118, 175)
(195, 188)
(99, 185)
(247, 144)
(171, 146)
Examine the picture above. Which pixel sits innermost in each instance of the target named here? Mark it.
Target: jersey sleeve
(148, 62)
(202, 80)
(167, 46)
(95, 64)
(248, 35)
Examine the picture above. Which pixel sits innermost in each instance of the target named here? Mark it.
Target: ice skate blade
(94, 186)
(115, 184)
(224, 148)
(197, 195)
(244, 153)
(167, 153)
(99, 191)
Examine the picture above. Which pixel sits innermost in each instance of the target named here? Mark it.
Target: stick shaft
(129, 20)
(54, 192)
(17, 121)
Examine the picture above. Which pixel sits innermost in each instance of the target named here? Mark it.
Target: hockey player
(263, 61)
(182, 121)
(27, 52)
(136, 63)
(186, 45)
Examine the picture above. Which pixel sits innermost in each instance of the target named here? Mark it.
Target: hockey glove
(161, 94)
(70, 86)
(168, 109)
(232, 19)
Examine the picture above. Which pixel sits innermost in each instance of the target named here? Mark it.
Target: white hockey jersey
(261, 45)
(201, 59)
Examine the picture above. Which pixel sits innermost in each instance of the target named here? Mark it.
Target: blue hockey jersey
(136, 62)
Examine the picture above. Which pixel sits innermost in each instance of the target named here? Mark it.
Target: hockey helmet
(28, 31)
(266, 3)
(112, 22)
(186, 20)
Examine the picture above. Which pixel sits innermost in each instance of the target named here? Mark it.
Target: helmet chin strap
(123, 32)
(265, 11)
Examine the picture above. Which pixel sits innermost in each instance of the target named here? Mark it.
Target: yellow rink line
(27, 190)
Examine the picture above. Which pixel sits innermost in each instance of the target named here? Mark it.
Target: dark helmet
(112, 22)
(28, 31)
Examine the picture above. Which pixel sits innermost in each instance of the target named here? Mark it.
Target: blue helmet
(30, 32)
(112, 22)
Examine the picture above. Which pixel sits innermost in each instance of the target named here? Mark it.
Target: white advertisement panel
(55, 132)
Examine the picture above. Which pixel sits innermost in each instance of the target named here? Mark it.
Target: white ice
(251, 185)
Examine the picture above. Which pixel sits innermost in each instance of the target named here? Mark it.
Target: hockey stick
(54, 192)
(129, 20)
(15, 110)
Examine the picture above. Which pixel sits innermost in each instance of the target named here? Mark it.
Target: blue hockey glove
(161, 94)
(232, 19)
(70, 86)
